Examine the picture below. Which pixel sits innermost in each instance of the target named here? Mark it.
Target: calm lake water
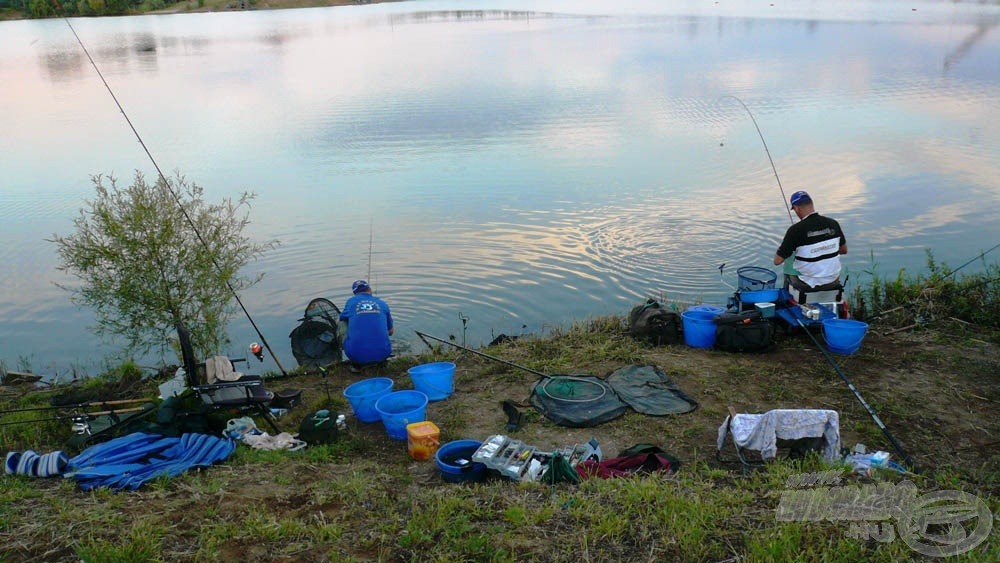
(519, 165)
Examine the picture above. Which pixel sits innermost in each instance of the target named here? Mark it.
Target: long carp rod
(166, 185)
(77, 406)
(768, 151)
(424, 336)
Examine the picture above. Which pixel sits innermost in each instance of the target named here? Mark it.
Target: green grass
(360, 499)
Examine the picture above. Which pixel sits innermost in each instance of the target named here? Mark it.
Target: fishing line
(166, 185)
(771, 160)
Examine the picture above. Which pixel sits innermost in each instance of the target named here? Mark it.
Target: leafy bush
(935, 295)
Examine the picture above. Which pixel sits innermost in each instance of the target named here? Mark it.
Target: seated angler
(368, 327)
(816, 242)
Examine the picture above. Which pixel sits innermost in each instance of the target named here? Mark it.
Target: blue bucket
(699, 328)
(363, 395)
(710, 308)
(400, 408)
(844, 336)
(454, 459)
(436, 380)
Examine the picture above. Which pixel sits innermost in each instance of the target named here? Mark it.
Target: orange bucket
(422, 439)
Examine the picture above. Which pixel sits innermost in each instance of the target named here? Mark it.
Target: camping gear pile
(748, 321)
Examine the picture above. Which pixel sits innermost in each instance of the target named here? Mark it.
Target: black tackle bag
(743, 332)
(654, 323)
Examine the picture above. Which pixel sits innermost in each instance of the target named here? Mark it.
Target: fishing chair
(758, 438)
(802, 293)
(220, 386)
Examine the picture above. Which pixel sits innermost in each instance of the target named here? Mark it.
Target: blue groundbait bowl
(363, 395)
(454, 459)
(760, 296)
(844, 336)
(400, 408)
(699, 328)
(436, 380)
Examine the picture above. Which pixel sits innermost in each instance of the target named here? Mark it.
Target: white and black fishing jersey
(816, 242)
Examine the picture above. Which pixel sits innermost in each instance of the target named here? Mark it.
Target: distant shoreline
(191, 7)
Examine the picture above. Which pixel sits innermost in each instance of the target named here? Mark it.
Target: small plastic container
(422, 439)
(766, 309)
(490, 449)
(879, 459)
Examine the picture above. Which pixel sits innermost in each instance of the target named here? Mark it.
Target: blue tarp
(132, 460)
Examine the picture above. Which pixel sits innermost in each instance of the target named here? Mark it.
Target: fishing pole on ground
(166, 185)
(424, 336)
(509, 407)
(77, 417)
(76, 406)
(857, 394)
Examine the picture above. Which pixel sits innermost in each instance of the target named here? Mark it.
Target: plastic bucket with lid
(436, 380)
(454, 460)
(400, 408)
(699, 328)
(363, 395)
(844, 336)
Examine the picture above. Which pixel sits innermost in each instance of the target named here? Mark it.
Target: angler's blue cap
(798, 198)
(360, 286)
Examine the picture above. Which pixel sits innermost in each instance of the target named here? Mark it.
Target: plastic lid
(422, 428)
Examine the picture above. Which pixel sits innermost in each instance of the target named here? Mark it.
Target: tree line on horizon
(40, 9)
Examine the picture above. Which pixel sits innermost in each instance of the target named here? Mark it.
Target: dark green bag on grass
(319, 427)
(654, 323)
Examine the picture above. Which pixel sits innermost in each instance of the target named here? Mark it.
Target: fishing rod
(166, 185)
(76, 406)
(930, 287)
(77, 417)
(973, 259)
(424, 336)
(371, 239)
(771, 160)
(871, 411)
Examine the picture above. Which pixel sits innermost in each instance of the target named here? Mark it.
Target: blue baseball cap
(360, 286)
(798, 198)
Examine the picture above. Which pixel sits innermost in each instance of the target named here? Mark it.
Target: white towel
(220, 368)
(762, 431)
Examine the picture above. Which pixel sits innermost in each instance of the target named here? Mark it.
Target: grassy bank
(934, 384)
